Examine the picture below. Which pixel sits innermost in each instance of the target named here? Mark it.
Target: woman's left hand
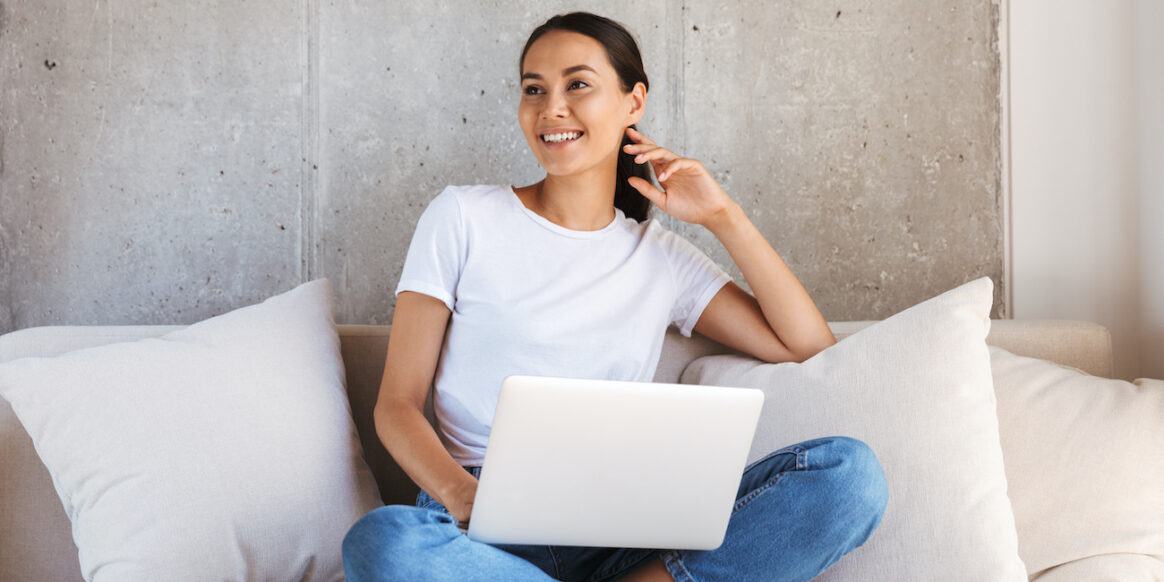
(690, 194)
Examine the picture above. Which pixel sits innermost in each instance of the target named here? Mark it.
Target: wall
(164, 162)
(1078, 146)
(1150, 75)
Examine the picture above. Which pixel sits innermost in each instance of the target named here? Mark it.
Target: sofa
(37, 543)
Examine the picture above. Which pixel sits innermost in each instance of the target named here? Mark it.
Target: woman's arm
(414, 346)
(781, 323)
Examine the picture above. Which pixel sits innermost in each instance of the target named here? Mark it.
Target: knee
(377, 541)
(856, 482)
(387, 523)
(375, 525)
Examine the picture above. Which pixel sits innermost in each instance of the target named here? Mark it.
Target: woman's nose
(556, 106)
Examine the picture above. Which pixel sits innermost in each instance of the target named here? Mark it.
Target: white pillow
(1085, 462)
(916, 388)
(221, 451)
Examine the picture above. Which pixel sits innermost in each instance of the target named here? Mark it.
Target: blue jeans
(798, 510)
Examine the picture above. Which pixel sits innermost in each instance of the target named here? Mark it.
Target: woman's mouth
(560, 137)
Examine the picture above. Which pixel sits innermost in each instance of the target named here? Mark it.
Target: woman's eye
(531, 90)
(577, 84)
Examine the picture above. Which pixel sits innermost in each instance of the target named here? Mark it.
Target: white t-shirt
(531, 297)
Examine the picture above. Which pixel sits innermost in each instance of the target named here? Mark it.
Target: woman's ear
(637, 98)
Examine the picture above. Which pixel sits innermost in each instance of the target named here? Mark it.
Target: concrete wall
(164, 162)
(1086, 153)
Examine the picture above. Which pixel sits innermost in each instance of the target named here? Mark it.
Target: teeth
(561, 137)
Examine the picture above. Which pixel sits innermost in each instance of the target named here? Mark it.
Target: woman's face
(573, 110)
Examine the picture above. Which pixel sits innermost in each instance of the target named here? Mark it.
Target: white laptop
(613, 464)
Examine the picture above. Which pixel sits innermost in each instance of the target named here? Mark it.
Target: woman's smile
(573, 108)
(559, 139)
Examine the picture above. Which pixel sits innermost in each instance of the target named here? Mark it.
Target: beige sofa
(35, 541)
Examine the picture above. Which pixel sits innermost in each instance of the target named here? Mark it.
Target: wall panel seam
(677, 36)
(1005, 155)
(7, 322)
(309, 138)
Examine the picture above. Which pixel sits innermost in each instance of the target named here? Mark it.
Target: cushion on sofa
(1105, 568)
(917, 389)
(1085, 463)
(221, 451)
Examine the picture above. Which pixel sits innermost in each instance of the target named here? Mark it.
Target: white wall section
(1081, 160)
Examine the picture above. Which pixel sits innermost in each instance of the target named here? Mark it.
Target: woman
(567, 277)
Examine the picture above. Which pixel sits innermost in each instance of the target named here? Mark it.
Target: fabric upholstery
(917, 389)
(35, 539)
(223, 450)
(1085, 462)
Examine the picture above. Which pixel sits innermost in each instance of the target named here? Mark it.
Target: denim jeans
(798, 511)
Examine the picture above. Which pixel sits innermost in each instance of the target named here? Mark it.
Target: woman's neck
(578, 202)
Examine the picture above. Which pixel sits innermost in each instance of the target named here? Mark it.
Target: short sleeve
(697, 280)
(437, 252)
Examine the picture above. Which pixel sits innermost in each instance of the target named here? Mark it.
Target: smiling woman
(581, 37)
(568, 277)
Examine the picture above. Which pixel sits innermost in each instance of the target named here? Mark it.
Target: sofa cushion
(1105, 568)
(221, 451)
(1085, 463)
(917, 389)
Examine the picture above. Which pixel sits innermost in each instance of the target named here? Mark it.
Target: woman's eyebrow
(576, 68)
(566, 71)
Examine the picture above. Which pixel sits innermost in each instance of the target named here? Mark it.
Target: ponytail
(626, 198)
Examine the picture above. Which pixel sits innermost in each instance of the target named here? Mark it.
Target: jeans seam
(621, 567)
(796, 450)
(800, 455)
(557, 561)
(745, 500)
(671, 558)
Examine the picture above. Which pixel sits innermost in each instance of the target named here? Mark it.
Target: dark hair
(624, 56)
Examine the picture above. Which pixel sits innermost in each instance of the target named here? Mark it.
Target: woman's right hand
(461, 498)
(418, 330)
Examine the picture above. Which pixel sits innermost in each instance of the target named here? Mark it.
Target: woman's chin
(561, 170)
(573, 168)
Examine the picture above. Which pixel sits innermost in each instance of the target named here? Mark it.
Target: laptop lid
(613, 464)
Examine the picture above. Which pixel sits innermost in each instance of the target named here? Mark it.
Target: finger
(638, 136)
(648, 190)
(669, 168)
(658, 157)
(636, 148)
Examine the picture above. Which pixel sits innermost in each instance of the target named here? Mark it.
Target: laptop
(603, 463)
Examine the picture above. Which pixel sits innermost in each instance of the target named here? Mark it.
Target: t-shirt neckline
(619, 218)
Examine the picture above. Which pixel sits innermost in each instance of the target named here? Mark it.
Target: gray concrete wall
(163, 162)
